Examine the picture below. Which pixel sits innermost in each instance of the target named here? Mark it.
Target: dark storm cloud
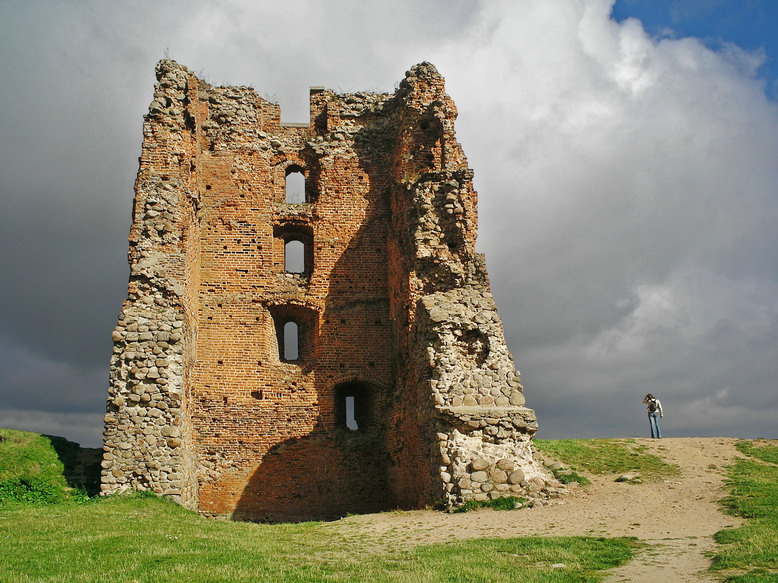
(627, 190)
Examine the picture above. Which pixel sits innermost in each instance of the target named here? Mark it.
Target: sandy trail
(676, 517)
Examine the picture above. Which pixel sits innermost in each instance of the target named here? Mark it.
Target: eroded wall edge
(147, 437)
(469, 417)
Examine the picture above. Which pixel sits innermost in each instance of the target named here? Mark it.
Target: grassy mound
(32, 469)
(607, 456)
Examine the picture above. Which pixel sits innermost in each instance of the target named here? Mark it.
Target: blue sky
(750, 24)
(626, 172)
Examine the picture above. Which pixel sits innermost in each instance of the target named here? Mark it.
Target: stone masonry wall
(147, 438)
(400, 392)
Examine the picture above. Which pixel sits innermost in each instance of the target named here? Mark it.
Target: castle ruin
(309, 331)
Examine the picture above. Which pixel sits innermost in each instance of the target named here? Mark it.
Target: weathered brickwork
(282, 358)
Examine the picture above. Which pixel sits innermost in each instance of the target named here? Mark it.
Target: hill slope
(44, 468)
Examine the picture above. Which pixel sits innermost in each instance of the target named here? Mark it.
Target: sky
(625, 159)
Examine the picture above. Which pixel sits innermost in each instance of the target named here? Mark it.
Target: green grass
(31, 470)
(145, 540)
(607, 456)
(753, 495)
(763, 449)
(568, 476)
(28, 454)
(533, 559)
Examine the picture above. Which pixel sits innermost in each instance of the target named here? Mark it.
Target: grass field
(145, 539)
(50, 533)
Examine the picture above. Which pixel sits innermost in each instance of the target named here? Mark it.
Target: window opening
(351, 420)
(294, 256)
(353, 406)
(291, 341)
(296, 243)
(295, 187)
(295, 332)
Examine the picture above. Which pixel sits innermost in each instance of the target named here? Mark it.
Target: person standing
(655, 412)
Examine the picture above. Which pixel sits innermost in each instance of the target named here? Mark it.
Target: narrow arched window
(295, 187)
(295, 333)
(294, 248)
(291, 341)
(294, 256)
(351, 415)
(353, 406)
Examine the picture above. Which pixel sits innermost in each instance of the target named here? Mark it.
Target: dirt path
(677, 517)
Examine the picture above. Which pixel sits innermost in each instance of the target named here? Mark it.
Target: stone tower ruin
(293, 354)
